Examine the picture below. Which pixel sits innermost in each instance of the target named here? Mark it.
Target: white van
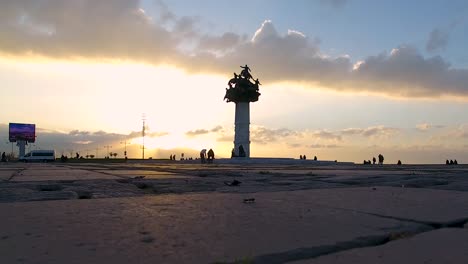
(39, 155)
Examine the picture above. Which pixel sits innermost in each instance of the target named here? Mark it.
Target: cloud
(405, 72)
(198, 132)
(85, 142)
(324, 146)
(138, 134)
(423, 127)
(426, 127)
(438, 40)
(375, 131)
(224, 42)
(85, 29)
(216, 129)
(122, 30)
(326, 135)
(295, 145)
(263, 135)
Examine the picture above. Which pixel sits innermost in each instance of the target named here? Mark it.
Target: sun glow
(173, 141)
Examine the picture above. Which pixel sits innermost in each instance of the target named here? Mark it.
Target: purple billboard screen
(26, 132)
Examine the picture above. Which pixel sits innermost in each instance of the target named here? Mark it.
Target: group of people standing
(207, 157)
(304, 157)
(374, 160)
(451, 162)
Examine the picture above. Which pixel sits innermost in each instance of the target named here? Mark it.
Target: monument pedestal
(242, 128)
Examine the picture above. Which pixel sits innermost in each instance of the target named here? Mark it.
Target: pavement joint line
(15, 174)
(107, 173)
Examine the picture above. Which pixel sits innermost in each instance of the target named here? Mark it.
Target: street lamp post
(108, 147)
(125, 147)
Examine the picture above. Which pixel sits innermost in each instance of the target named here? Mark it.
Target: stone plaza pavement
(171, 212)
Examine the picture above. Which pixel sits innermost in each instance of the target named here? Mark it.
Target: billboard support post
(22, 147)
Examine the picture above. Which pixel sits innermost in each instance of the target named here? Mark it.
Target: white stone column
(242, 130)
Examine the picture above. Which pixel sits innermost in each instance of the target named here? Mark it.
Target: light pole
(108, 147)
(143, 135)
(125, 147)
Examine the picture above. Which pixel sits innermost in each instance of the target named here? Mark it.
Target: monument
(243, 90)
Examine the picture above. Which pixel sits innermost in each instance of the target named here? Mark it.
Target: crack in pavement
(317, 251)
(457, 223)
(16, 173)
(360, 242)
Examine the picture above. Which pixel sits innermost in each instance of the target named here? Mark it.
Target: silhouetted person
(455, 162)
(3, 157)
(77, 155)
(399, 162)
(241, 150)
(381, 159)
(203, 156)
(451, 162)
(211, 156)
(447, 162)
(315, 157)
(304, 157)
(374, 160)
(300, 157)
(233, 153)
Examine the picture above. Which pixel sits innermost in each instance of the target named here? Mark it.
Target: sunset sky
(341, 79)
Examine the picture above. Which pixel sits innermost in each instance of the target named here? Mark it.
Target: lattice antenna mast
(143, 135)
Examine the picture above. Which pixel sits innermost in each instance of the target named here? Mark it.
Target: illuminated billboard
(26, 132)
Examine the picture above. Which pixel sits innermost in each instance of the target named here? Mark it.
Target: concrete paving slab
(147, 173)
(448, 246)
(432, 206)
(6, 174)
(196, 228)
(54, 174)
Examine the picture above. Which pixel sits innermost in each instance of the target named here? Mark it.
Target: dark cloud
(120, 29)
(84, 29)
(438, 40)
(405, 72)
